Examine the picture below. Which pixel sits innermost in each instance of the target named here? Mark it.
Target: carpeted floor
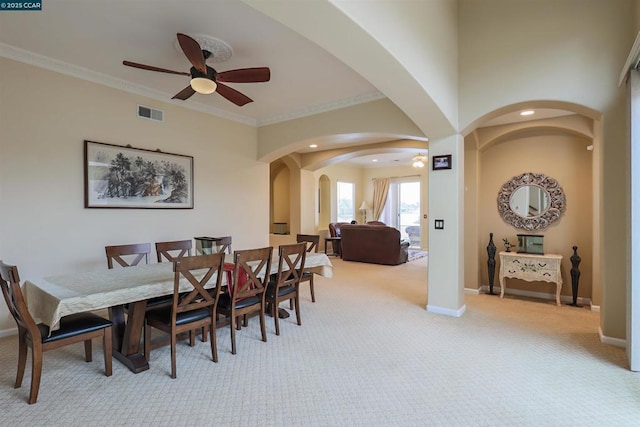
(367, 353)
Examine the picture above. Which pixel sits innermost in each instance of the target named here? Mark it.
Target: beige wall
(379, 117)
(573, 51)
(424, 39)
(472, 278)
(45, 229)
(446, 246)
(412, 58)
(541, 50)
(562, 157)
(521, 51)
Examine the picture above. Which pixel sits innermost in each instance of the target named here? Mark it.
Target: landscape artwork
(126, 177)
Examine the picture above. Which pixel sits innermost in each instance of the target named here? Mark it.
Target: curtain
(380, 191)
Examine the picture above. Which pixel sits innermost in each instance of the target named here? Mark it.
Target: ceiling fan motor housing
(211, 73)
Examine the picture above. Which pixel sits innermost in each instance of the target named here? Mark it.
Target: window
(402, 209)
(346, 206)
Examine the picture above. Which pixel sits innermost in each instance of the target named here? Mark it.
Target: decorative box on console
(530, 244)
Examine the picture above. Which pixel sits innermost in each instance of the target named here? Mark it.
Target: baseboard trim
(595, 308)
(473, 291)
(540, 295)
(8, 332)
(616, 342)
(447, 311)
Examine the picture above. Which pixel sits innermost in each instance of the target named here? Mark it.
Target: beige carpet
(366, 354)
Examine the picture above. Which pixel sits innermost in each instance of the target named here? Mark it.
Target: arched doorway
(561, 143)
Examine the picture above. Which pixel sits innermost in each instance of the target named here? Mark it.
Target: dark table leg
(127, 334)
(282, 313)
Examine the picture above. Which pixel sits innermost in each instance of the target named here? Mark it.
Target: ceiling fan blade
(152, 68)
(192, 51)
(233, 95)
(245, 75)
(184, 93)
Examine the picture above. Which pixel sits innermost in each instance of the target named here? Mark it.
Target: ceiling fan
(205, 79)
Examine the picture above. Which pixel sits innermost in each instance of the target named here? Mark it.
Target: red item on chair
(242, 279)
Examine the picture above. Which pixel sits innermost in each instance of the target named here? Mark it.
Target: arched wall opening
(566, 148)
(280, 198)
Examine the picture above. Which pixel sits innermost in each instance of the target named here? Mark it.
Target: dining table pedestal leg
(127, 334)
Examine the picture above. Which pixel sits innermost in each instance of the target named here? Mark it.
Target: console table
(529, 267)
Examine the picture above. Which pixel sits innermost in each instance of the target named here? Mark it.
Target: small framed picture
(442, 162)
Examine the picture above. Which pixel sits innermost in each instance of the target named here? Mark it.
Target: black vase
(491, 263)
(575, 276)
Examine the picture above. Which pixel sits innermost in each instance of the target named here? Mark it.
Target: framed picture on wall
(441, 162)
(118, 176)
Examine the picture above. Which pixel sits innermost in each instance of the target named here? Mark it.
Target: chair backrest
(251, 272)
(139, 250)
(224, 244)
(376, 223)
(168, 249)
(10, 282)
(198, 297)
(334, 228)
(312, 241)
(290, 264)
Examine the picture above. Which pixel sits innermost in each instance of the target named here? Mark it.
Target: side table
(529, 267)
(336, 245)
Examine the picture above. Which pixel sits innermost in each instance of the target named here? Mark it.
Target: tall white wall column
(446, 245)
(633, 286)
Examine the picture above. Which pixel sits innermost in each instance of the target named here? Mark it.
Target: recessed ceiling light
(313, 146)
(527, 112)
(374, 160)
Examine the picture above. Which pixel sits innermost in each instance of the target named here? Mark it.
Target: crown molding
(632, 62)
(82, 73)
(317, 109)
(51, 64)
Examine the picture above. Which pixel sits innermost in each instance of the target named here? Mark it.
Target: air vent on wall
(150, 113)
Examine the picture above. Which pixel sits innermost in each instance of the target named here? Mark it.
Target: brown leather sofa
(377, 244)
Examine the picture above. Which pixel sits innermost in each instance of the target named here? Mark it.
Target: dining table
(124, 292)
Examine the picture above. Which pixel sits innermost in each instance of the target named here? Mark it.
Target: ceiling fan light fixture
(419, 161)
(203, 85)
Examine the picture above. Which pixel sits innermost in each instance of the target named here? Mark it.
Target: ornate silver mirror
(531, 201)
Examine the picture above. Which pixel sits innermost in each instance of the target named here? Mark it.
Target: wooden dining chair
(312, 241)
(190, 309)
(246, 293)
(82, 327)
(128, 255)
(171, 251)
(286, 285)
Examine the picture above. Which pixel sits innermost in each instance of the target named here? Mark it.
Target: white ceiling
(385, 160)
(98, 35)
(90, 39)
(515, 117)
